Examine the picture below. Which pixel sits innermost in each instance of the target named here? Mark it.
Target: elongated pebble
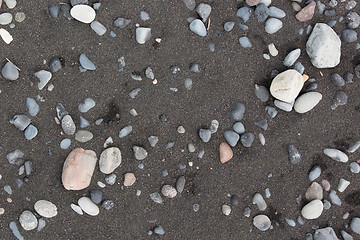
(77, 209)
(354, 147)
(15, 231)
(6, 36)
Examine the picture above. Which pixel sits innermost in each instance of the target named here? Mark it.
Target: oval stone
(28, 221)
(83, 13)
(110, 159)
(313, 209)
(307, 101)
(45, 208)
(287, 85)
(88, 206)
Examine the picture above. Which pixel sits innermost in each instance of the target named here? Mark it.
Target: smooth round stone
(226, 209)
(355, 225)
(262, 222)
(354, 167)
(231, 137)
(262, 93)
(6, 36)
(226, 152)
(65, 143)
(168, 191)
(88, 206)
(259, 201)
(245, 42)
(45, 208)
(32, 106)
(96, 196)
(244, 13)
(337, 80)
(228, 26)
(315, 191)
(239, 127)
(287, 85)
(205, 135)
(129, 179)
(143, 34)
(203, 10)
(313, 209)
(110, 159)
(247, 139)
(86, 105)
(30, 132)
(261, 12)
(180, 184)
(198, 27)
(238, 112)
(10, 3)
(291, 58)
(349, 35)
(86, 63)
(54, 64)
(125, 131)
(314, 173)
(272, 25)
(139, 152)
(98, 28)
(10, 72)
(83, 13)
(307, 101)
(276, 12)
(5, 18)
(54, 11)
(83, 136)
(28, 221)
(20, 16)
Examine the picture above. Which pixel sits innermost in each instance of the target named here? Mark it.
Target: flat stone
(205, 135)
(190, 4)
(259, 201)
(324, 46)
(45, 208)
(83, 13)
(30, 132)
(307, 101)
(156, 197)
(345, 235)
(10, 3)
(231, 137)
(244, 13)
(261, 12)
(262, 93)
(287, 85)
(168, 191)
(343, 184)
(77, 209)
(307, 12)
(122, 22)
(287, 107)
(239, 127)
(5, 18)
(272, 25)
(83, 136)
(198, 27)
(313, 209)
(86, 105)
(325, 234)
(262, 222)
(180, 184)
(334, 198)
(153, 140)
(143, 34)
(6, 36)
(276, 12)
(28, 221)
(68, 125)
(78, 169)
(139, 152)
(228, 26)
(96, 196)
(336, 155)
(226, 209)
(247, 139)
(98, 28)
(203, 10)
(110, 159)
(129, 179)
(292, 56)
(315, 191)
(245, 42)
(355, 225)
(340, 98)
(85, 62)
(20, 121)
(44, 77)
(10, 72)
(125, 131)
(88, 206)
(54, 11)
(226, 152)
(314, 173)
(349, 35)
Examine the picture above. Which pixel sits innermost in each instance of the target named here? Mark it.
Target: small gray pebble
(108, 204)
(337, 80)
(159, 230)
(96, 196)
(205, 135)
(262, 124)
(54, 11)
(349, 35)
(294, 155)
(261, 12)
(239, 127)
(228, 26)
(271, 111)
(54, 64)
(238, 112)
(247, 139)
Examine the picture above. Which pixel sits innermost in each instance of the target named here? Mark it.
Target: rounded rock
(307, 101)
(88, 206)
(83, 13)
(287, 85)
(226, 152)
(262, 222)
(110, 159)
(10, 72)
(129, 179)
(45, 208)
(28, 221)
(313, 209)
(168, 191)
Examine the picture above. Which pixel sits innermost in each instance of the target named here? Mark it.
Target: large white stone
(83, 13)
(336, 154)
(110, 159)
(324, 47)
(88, 206)
(307, 101)
(313, 209)
(287, 85)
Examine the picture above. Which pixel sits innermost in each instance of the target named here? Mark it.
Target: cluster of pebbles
(288, 91)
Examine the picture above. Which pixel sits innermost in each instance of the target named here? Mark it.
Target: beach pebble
(6, 36)
(78, 169)
(98, 28)
(76, 209)
(83, 122)
(231, 137)
(261, 12)
(259, 201)
(307, 101)
(239, 128)
(198, 27)
(10, 72)
(134, 92)
(315, 191)
(247, 139)
(349, 35)
(41, 224)
(287, 107)
(205, 135)
(86, 105)
(325, 184)
(340, 98)
(276, 12)
(334, 198)
(125, 131)
(287, 85)
(144, 16)
(272, 25)
(355, 225)
(323, 46)
(190, 4)
(20, 121)
(247, 212)
(314, 173)
(54, 11)
(325, 234)
(15, 157)
(228, 26)
(109, 160)
(139, 152)
(313, 209)
(262, 93)
(262, 124)
(238, 112)
(44, 77)
(343, 184)
(352, 20)
(203, 10)
(83, 13)
(252, 2)
(294, 155)
(159, 230)
(28, 221)
(96, 196)
(108, 204)
(180, 184)
(226, 209)
(290, 222)
(88, 206)
(168, 191)
(5, 18)
(86, 63)
(83, 136)
(262, 222)
(337, 80)
(244, 13)
(292, 56)
(30, 132)
(77, 2)
(336, 155)
(54, 64)
(226, 152)
(143, 34)
(307, 12)
(354, 167)
(45, 208)
(121, 22)
(345, 235)
(153, 140)
(129, 179)
(156, 197)
(271, 111)
(10, 3)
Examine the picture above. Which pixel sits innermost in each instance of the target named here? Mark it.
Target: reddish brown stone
(252, 2)
(306, 13)
(226, 152)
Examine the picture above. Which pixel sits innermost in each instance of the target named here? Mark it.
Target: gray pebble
(188, 83)
(330, 12)
(287, 107)
(314, 173)
(180, 184)
(247, 212)
(196, 207)
(353, 20)
(121, 63)
(262, 93)
(290, 222)
(98, 28)
(204, 11)
(108, 204)
(169, 145)
(200, 155)
(44, 77)
(311, 87)
(30, 132)
(205, 135)
(354, 167)
(334, 198)
(96, 6)
(65, 9)
(144, 16)
(60, 111)
(214, 126)
(300, 220)
(350, 4)
(228, 26)
(32, 106)
(262, 12)
(262, 124)
(190, 4)
(175, 69)
(357, 71)
(234, 200)
(191, 147)
(308, 236)
(194, 67)
(271, 111)
(19, 182)
(15, 157)
(349, 35)
(28, 221)
(276, 12)
(15, 231)
(340, 98)
(345, 235)
(77, 2)
(68, 125)
(164, 173)
(243, 27)
(153, 140)
(8, 189)
(86, 63)
(10, 72)
(231, 137)
(332, 23)
(134, 92)
(111, 179)
(83, 122)
(247, 139)
(211, 47)
(348, 77)
(54, 64)
(54, 11)
(136, 76)
(299, 67)
(125, 131)
(149, 73)
(20, 121)
(238, 112)
(156, 197)
(239, 127)
(245, 42)
(337, 80)
(355, 225)
(244, 13)
(140, 153)
(65, 143)
(112, 34)
(294, 155)
(159, 230)
(99, 121)
(41, 225)
(292, 56)
(122, 22)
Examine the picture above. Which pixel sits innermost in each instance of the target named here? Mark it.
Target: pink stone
(129, 179)
(225, 152)
(252, 2)
(325, 184)
(306, 13)
(78, 169)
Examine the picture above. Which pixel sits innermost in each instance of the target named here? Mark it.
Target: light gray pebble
(330, 12)
(30, 132)
(239, 127)
(247, 139)
(98, 28)
(86, 63)
(334, 198)
(144, 16)
(194, 67)
(292, 56)
(44, 77)
(159, 230)
(349, 35)
(188, 83)
(272, 25)
(65, 143)
(149, 73)
(153, 140)
(8, 189)
(121, 22)
(203, 10)
(243, 27)
(83, 122)
(350, 5)
(99, 121)
(86, 105)
(15, 157)
(244, 13)
(201, 154)
(68, 125)
(111, 179)
(287, 107)
(228, 26)
(108, 204)
(211, 47)
(299, 67)
(54, 11)
(196, 207)
(20, 121)
(290, 222)
(294, 155)
(125, 131)
(112, 34)
(308, 236)
(169, 145)
(245, 42)
(198, 27)
(355, 225)
(238, 112)
(164, 173)
(327, 204)
(19, 182)
(261, 12)
(353, 20)
(300, 220)
(156, 197)
(271, 111)
(15, 231)
(247, 212)
(262, 93)
(41, 225)
(348, 77)
(190, 4)
(276, 12)
(191, 147)
(345, 235)
(28, 221)
(134, 92)
(314, 173)
(96, 6)
(214, 126)
(354, 167)
(262, 124)
(231, 137)
(10, 72)
(205, 135)
(332, 23)
(121, 63)
(139, 152)
(180, 184)
(60, 111)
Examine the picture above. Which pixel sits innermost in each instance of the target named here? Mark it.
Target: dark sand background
(228, 75)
